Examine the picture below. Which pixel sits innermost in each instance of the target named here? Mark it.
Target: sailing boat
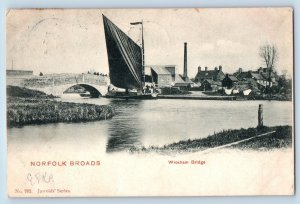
(126, 62)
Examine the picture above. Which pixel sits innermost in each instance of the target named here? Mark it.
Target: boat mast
(143, 57)
(143, 53)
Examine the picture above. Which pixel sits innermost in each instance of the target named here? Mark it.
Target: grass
(27, 107)
(16, 91)
(281, 138)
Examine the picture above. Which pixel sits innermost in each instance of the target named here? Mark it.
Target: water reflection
(126, 129)
(149, 123)
(156, 123)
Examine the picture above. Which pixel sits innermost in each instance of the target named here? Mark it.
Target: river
(149, 122)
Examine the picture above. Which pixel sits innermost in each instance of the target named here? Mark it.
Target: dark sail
(124, 57)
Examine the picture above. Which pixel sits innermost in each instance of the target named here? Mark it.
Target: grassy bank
(26, 107)
(254, 96)
(281, 138)
(21, 92)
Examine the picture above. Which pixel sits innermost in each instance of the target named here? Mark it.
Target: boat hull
(135, 97)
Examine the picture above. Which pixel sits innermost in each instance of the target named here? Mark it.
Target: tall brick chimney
(185, 62)
(199, 69)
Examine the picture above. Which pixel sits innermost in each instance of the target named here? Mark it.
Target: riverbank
(195, 97)
(200, 95)
(265, 138)
(28, 107)
(253, 96)
(21, 92)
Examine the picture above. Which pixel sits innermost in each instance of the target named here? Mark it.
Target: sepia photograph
(150, 102)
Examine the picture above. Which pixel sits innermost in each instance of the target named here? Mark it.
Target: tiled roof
(212, 82)
(266, 75)
(178, 79)
(257, 76)
(233, 78)
(160, 69)
(180, 82)
(254, 74)
(209, 74)
(243, 75)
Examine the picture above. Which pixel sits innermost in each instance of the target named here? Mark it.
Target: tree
(269, 54)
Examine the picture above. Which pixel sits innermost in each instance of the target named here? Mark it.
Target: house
(215, 74)
(163, 75)
(210, 85)
(261, 76)
(229, 81)
(265, 72)
(240, 75)
(181, 83)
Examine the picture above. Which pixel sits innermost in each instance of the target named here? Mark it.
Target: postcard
(150, 102)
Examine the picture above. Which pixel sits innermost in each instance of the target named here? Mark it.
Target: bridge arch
(94, 91)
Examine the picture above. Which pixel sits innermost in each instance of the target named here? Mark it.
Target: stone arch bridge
(58, 84)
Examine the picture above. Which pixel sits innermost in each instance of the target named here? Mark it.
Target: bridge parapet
(56, 84)
(63, 79)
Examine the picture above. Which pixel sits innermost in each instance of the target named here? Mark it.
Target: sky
(73, 41)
